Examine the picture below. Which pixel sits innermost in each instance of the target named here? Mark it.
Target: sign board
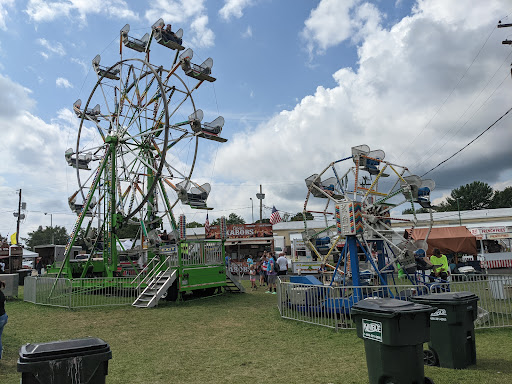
(305, 267)
(238, 231)
(372, 330)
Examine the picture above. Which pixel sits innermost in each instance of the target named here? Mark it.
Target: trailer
(302, 259)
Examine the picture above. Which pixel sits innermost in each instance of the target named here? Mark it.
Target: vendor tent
(29, 253)
(447, 239)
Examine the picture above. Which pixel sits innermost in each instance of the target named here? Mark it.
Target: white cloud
(248, 32)
(52, 47)
(33, 155)
(81, 63)
(234, 8)
(403, 76)
(333, 22)
(4, 4)
(46, 11)
(328, 24)
(63, 83)
(202, 35)
(179, 13)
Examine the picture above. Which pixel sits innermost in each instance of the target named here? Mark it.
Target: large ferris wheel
(359, 199)
(137, 142)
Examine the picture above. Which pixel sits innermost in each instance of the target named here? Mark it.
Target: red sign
(241, 231)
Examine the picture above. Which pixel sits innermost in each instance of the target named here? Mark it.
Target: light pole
(51, 223)
(260, 197)
(252, 209)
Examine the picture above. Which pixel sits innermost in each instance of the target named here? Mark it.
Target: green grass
(232, 338)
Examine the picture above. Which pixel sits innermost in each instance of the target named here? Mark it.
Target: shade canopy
(447, 239)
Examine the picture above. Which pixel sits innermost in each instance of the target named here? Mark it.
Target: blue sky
(298, 82)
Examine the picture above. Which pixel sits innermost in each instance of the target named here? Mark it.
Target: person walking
(272, 275)
(283, 265)
(3, 315)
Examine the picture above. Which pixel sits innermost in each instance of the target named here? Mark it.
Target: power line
(431, 151)
(468, 144)
(451, 92)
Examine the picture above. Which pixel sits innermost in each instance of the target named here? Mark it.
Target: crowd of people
(265, 271)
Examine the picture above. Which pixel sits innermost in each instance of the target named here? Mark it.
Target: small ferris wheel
(359, 205)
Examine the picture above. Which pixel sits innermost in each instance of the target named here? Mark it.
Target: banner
(238, 231)
(13, 239)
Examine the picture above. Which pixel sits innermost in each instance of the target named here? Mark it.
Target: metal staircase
(233, 284)
(155, 289)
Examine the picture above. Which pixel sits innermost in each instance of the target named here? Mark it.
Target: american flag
(206, 225)
(274, 217)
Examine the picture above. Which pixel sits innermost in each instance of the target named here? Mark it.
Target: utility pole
(18, 221)
(260, 197)
(51, 224)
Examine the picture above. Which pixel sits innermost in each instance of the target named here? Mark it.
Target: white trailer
(278, 245)
(302, 260)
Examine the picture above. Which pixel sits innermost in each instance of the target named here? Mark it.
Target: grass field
(232, 338)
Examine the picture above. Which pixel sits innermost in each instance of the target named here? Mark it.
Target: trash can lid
(389, 306)
(446, 297)
(62, 349)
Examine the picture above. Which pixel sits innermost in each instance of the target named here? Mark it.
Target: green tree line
(473, 196)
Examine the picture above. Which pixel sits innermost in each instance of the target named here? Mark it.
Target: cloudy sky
(299, 84)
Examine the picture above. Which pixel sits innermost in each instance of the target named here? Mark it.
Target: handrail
(151, 271)
(154, 271)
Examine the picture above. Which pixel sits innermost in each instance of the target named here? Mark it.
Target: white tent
(29, 253)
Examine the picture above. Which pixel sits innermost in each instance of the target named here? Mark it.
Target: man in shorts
(283, 264)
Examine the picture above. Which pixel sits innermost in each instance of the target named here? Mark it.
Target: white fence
(78, 293)
(330, 306)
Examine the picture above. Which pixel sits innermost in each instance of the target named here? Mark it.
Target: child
(252, 274)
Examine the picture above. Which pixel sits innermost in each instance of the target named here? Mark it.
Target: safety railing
(201, 252)
(328, 306)
(80, 293)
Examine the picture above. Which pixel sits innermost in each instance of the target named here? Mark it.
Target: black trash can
(393, 332)
(22, 273)
(83, 361)
(452, 329)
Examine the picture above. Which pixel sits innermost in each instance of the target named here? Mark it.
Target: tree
(409, 211)
(128, 231)
(502, 199)
(194, 224)
(233, 218)
(44, 236)
(469, 197)
(299, 217)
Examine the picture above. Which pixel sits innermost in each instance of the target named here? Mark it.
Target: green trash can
(393, 332)
(452, 329)
(83, 361)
